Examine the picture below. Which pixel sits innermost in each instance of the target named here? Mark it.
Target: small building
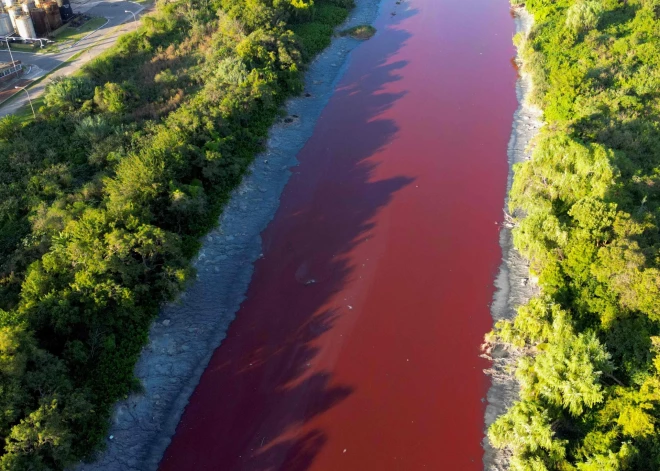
(9, 70)
(25, 27)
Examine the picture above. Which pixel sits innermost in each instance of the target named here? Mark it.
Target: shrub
(583, 15)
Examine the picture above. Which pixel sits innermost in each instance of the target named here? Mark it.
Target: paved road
(118, 23)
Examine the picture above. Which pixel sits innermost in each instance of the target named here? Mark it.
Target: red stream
(392, 212)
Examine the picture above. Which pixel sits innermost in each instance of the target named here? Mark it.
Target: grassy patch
(23, 47)
(67, 36)
(76, 34)
(25, 112)
(361, 32)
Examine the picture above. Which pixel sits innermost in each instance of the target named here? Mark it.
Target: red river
(357, 348)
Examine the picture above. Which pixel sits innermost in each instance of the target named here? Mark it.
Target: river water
(357, 347)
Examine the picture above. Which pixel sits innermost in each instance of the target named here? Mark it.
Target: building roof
(6, 65)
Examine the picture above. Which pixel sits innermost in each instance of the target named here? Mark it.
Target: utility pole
(29, 99)
(9, 49)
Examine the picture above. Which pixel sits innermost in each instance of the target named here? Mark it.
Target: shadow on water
(261, 388)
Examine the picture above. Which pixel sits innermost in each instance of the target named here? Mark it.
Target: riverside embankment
(357, 345)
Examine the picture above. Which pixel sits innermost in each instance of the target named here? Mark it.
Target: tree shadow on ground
(262, 385)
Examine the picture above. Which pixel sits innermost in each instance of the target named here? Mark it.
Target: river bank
(186, 333)
(514, 286)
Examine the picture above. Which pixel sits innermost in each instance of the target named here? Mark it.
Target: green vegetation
(15, 46)
(104, 196)
(360, 32)
(75, 34)
(67, 36)
(590, 196)
(24, 113)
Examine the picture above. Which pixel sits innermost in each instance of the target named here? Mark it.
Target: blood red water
(357, 346)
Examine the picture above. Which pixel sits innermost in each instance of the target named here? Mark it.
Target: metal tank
(53, 18)
(13, 12)
(6, 28)
(27, 6)
(9, 3)
(39, 21)
(25, 27)
(66, 12)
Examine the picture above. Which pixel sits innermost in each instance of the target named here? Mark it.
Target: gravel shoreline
(184, 336)
(513, 283)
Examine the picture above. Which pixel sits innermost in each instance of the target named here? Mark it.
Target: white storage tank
(28, 6)
(6, 28)
(25, 27)
(13, 13)
(9, 3)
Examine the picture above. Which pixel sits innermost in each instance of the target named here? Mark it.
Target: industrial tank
(53, 18)
(25, 27)
(9, 3)
(65, 9)
(13, 12)
(6, 28)
(27, 6)
(39, 21)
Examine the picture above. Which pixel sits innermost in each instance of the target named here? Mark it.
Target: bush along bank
(105, 195)
(587, 207)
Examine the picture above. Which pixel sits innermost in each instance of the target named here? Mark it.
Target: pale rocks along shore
(183, 338)
(514, 286)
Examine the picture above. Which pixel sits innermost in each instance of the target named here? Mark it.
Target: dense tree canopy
(103, 199)
(588, 208)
